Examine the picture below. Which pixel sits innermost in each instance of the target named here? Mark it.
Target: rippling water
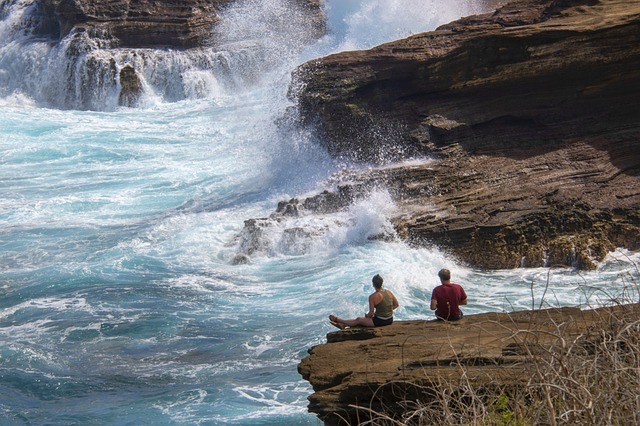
(120, 302)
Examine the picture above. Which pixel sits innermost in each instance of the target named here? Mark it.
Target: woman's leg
(360, 321)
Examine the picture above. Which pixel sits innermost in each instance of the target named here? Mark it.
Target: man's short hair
(444, 274)
(377, 281)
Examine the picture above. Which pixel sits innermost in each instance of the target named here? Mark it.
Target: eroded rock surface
(531, 114)
(388, 368)
(149, 23)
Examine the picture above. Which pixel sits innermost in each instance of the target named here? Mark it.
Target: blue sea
(121, 298)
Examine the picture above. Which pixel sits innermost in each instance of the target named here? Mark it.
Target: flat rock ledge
(384, 369)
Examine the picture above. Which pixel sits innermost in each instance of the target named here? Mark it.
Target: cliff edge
(396, 369)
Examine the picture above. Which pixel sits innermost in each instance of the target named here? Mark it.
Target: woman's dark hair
(377, 281)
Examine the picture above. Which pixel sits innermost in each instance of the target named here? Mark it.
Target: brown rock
(385, 368)
(130, 87)
(531, 115)
(149, 23)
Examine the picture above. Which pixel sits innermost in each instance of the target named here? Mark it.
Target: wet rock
(252, 236)
(130, 87)
(288, 208)
(240, 259)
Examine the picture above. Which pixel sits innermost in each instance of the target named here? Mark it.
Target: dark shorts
(379, 322)
(456, 318)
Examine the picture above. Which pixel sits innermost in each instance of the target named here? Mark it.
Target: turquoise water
(120, 301)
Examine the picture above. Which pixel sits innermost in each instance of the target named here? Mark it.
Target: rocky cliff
(529, 114)
(395, 370)
(150, 23)
(121, 52)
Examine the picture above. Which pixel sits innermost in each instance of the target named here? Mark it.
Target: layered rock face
(149, 23)
(530, 114)
(394, 369)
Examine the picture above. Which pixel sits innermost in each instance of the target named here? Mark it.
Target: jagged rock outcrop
(130, 86)
(394, 369)
(530, 114)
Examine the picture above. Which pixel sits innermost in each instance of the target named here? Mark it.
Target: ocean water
(121, 302)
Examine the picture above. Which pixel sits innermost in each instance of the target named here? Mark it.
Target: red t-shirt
(448, 297)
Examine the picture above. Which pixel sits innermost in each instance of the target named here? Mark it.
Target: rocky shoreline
(530, 115)
(527, 122)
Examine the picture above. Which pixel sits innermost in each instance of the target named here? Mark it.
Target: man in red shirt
(447, 298)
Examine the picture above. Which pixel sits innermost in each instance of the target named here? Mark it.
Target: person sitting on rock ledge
(381, 306)
(447, 298)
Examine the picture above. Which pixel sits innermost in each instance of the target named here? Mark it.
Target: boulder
(130, 87)
(525, 120)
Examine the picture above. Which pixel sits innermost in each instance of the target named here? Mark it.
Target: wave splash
(86, 70)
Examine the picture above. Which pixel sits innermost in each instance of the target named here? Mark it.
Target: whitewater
(122, 300)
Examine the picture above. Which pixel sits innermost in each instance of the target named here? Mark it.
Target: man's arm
(434, 300)
(434, 304)
(463, 296)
